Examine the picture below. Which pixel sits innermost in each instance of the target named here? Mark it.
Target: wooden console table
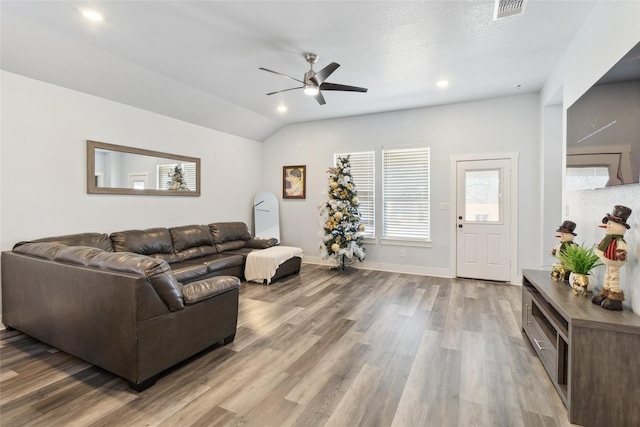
(591, 354)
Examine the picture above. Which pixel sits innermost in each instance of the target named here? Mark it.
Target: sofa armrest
(261, 242)
(203, 289)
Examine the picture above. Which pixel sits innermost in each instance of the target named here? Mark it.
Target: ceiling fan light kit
(311, 90)
(313, 83)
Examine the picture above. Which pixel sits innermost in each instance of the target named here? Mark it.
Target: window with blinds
(188, 171)
(363, 174)
(405, 193)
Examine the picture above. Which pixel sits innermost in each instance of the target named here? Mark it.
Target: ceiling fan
(313, 83)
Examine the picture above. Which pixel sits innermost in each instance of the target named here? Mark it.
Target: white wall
(502, 125)
(44, 133)
(551, 165)
(610, 30)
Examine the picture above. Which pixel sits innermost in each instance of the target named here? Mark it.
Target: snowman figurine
(612, 250)
(559, 271)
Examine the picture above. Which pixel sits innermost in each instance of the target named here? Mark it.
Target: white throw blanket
(262, 265)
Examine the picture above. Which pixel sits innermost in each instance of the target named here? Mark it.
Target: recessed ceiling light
(92, 15)
(282, 108)
(442, 83)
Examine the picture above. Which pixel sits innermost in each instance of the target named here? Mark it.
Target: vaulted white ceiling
(198, 60)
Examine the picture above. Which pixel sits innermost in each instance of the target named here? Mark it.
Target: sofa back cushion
(157, 271)
(94, 240)
(46, 250)
(192, 241)
(229, 235)
(155, 242)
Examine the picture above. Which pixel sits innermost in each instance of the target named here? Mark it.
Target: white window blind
(363, 174)
(405, 193)
(188, 172)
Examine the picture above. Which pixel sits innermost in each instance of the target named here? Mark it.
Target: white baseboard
(391, 268)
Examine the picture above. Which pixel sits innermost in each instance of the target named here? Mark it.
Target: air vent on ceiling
(506, 8)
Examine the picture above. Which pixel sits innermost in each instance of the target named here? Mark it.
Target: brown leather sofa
(134, 302)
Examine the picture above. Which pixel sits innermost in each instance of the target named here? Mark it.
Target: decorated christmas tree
(177, 183)
(342, 231)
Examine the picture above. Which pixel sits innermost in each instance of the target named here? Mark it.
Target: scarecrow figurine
(612, 250)
(559, 270)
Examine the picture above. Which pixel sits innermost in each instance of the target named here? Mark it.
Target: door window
(482, 196)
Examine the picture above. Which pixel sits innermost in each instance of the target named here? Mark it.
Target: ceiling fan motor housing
(308, 76)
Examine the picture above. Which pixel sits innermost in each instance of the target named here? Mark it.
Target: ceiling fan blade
(319, 98)
(285, 90)
(280, 74)
(322, 75)
(335, 86)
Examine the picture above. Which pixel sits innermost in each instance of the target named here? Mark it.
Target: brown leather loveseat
(134, 302)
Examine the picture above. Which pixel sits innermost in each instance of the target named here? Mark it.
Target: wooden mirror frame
(92, 188)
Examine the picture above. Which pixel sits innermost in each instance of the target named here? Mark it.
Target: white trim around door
(513, 159)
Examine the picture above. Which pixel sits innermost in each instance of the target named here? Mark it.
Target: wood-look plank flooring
(321, 348)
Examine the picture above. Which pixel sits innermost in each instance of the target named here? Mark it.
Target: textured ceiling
(198, 60)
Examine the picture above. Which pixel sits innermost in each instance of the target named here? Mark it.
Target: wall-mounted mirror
(116, 169)
(603, 129)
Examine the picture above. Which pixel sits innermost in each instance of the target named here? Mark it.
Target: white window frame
(406, 182)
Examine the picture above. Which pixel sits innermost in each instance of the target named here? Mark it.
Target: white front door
(483, 219)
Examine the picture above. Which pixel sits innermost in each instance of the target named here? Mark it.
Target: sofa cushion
(95, 240)
(155, 270)
(231, 245)
(77, 254)
(188, 271)
(221, 261)
(195, 269)
(192, 241)
(47, 250)
(228, 231)
(190, 236)
(242, 251)
(156, 242)
(261, 242)
(207, 288)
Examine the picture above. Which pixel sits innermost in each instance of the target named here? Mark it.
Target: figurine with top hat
(559, 271)
(612, 250)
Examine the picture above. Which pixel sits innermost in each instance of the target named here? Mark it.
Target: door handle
(459, 225)
(460, 217)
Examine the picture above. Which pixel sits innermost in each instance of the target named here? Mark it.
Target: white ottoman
(261, 266)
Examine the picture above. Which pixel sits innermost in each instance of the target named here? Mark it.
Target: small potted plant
(580, 260)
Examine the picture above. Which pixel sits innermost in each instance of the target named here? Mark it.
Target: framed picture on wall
(294, 182)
